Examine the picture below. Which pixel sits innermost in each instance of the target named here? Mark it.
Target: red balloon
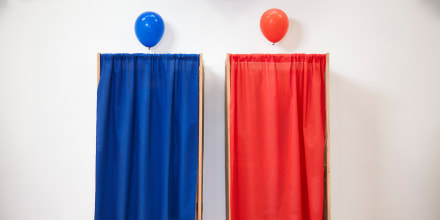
(274, 24)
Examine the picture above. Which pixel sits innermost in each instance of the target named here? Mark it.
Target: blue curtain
(147, 137)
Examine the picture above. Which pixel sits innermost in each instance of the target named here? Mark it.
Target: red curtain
(277, 136)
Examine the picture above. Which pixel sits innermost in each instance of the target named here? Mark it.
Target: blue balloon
(149, 28)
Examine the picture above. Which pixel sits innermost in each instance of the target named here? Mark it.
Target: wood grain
(99, 68)
(327, 189)
(200, 166)
(227, 152)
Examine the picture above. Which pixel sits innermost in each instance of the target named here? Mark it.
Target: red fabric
(277, 134)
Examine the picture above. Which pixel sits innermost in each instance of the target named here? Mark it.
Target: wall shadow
(214, 151)
(165, 45)
(434, 4)
(356, 162)
(293, 36)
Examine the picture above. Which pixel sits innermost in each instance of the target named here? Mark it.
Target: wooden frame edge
(199, 201)
(99, 68)
(327, 189)
(227, 140)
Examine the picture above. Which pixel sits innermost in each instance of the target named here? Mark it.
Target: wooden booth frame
(199, 193)
(327, 191)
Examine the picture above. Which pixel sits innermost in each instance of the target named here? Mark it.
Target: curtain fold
(147, 137)
(277, 136)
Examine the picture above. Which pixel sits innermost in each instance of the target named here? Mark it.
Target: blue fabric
(147, 137)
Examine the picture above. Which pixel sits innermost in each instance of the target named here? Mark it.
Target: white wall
(385, 105)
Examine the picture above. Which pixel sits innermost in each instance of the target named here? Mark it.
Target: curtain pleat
(277, 135)
(147, 137)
